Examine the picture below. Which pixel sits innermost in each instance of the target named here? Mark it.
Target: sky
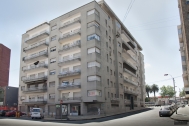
(153, 23)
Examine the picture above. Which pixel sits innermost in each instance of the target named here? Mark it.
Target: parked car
(165, 111)
(37, 113)
(10, 113)
(3, 112)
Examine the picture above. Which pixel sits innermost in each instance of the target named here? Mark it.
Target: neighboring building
(4, 65)
(9, 96)
(84, 60)
(183, 33)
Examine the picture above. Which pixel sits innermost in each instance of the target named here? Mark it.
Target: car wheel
(32, 117)
(160, 115)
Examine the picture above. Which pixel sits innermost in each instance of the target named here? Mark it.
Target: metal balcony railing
(28, 79)
(66, 35)
(35, 89)
(125, 70)
(70, 98)
(130, 81)
(70, 59)
(70, 22)
(130, 64)
(35, 67)
(36, 45)
(69, 85)
(36, 55)
(130, 92)
(41, 33)
(71, 46)
(123, 50)
(114, 100)
(69, 73)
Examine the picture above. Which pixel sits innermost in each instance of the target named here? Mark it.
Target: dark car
(3, 112)
(166, 111)
(10, 113)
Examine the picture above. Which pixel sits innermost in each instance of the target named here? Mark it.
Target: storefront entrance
(75, 110)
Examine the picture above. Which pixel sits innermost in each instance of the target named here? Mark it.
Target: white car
(37, 113)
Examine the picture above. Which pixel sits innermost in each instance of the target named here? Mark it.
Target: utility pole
(175, 94)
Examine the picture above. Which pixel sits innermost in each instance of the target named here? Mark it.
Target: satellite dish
(36, 63)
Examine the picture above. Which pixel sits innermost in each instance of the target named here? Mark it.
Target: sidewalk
(90, 117)
(182, 114)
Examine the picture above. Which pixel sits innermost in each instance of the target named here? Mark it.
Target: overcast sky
(153, 23)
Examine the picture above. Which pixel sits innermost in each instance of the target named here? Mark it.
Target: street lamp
(174, 89)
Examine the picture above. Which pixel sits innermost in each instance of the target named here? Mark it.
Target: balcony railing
(130, 64)
(130, 92)
(123, 50)
(35, 67)
(34, 89)
(114, 100)
(36, 45)
(35, 56)
(35, 101)
(69, 34)
(71, 98)
(70, 22)
(34, 79)
(37, 35)
(125, 70)
(68, 60)
(71, 46)
(130, 81)
(69, 86)
(69, 73)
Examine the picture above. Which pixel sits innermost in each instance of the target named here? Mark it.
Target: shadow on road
(86, 121)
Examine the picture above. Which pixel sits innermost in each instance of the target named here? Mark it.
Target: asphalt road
(144, 118)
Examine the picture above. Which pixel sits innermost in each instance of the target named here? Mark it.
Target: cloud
(147, 65)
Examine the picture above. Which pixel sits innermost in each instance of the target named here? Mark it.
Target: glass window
(187, 1)
(119, 44)
(110, 60)
(93, 64)
(107, 57)
(22, 88)
(109, 39)
(94, 78)
(120, 65)
(52, 72)
(53, 60)
(111, 84)
(53, 49)
(107, 69)
(184, 68)
(110, 72)
(53, 38)
(179, 31)
(108, 94)
(51, 96)
(108, 82)
(93, 23)
(52, 84)
(93, 50)
(77, 67)
(93, 36)
(93, 11)
(183, 58)
(53, 27)
(119, 54)
(94, 93)
(120, 75)
(106, 22)
(107, 44)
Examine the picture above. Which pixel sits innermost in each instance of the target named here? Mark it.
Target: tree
(163, 90)
(148, 89)
(167, 91)
(154, 89)
(182, 93)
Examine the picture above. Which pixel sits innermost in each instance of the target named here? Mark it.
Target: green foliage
(147, 99)
(182, 93)
(167, 91)
(154, 89)
(148, 89)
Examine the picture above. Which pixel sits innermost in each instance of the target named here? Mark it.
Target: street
(149, 117)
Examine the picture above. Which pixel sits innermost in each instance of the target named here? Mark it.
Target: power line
(129, 8)
(164, 80)
(127, 11)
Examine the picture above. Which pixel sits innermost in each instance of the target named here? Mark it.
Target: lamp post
(174, 89)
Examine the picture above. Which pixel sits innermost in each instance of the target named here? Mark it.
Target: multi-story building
(4, 65)
(183, 33)
(79, 62)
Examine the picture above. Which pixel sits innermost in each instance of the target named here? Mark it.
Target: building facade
(4, 65)
(183, 34)
(80, 62)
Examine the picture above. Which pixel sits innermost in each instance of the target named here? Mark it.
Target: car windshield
(35, 110)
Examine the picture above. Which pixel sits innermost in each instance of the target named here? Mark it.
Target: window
(94, 93)
(108, 94)
(183, 58)
(111, 95)
(53, 27)
(121, 96)
(93, 50)
(121, 85)
(42, 74)
(52, 72)
(51, 96)
(53, 60)
(109, 39)
(120, 65)
(53, 49)
(187, 1)
(184, 67)
(93, 36)
(106, 34)
(115, 95)
(108, 17)
(93, 78)
(107, 57)
(114, 73)
(53, 38)
(110, 60)
(77, 67)
(93, 64)
(22, 88)
(119, 54)
(65, 69)
(106, 22)
(107, 69)
(93, 11)
(109, 28)
(52, 84)
(108, 82)
(119, 44)
(107, 44)
(111, 84)
(120, 75)
(93, 23)
(110, 72)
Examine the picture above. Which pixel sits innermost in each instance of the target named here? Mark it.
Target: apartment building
(4, 65)
(80, 62)
(183, 35)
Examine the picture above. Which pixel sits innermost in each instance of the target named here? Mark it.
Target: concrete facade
(183, 35)
(4, 65)
(88, 60)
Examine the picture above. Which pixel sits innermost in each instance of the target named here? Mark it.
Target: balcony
(93, 70)
(127, 71)
(74, 23)
(94, 57)
(37, 37)
(70, 35)
(127, 47)
(35, 101)
(69, 86)
(69, 73)
(130, 64)
(69, 60)
(71, 99)
(127, 101)
(130, 92)
(36, 47)
(33, 80)
(127, 80)
(70, 47)
(114, 100)
(35, 68)
(35, 57)
(128, 55)
(35, 90)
